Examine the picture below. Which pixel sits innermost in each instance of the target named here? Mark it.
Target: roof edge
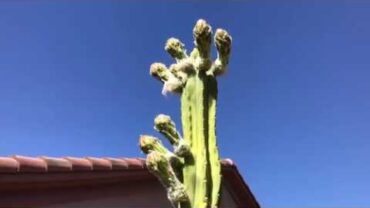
(19, 171)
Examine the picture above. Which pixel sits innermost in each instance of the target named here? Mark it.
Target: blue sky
(294, 109)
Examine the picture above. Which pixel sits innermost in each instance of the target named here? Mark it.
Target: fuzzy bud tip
(158, 70)
(162, 119)
(147, 143)
(223, 42)
(202, 30)
(175, 48)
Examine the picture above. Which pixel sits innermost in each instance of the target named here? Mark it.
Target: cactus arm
(214, 159)
(200, 147)
(223, 44)
(222, 41)
(189, 172)
(159, 165)
(164, 125)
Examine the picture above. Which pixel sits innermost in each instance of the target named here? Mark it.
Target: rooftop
(18, 172)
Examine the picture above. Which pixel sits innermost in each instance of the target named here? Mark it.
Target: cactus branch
(223, 45)
(159, 165)
(202, 34)
(165, 125)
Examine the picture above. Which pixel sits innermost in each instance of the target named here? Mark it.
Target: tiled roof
(43, 164)
(22, 171)
(23, 164)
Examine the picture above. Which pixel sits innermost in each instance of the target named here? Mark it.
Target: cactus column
(191, 173)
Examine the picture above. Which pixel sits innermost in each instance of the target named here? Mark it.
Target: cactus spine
(192, 173)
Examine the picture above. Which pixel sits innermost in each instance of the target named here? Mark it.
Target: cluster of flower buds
(175, 77)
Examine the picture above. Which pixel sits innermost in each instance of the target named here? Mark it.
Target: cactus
(191, 173)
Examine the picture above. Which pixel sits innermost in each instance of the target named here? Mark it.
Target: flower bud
(175, 48)
(159, 71)
(165, 125)
(162, 121)
(223, 44)
(148, 143)
(202, 33)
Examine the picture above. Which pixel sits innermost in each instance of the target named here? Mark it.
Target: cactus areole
(191, 173)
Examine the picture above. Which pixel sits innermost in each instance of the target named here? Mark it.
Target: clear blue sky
(294, 109)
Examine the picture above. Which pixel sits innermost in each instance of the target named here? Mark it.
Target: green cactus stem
(159, 165)
(198, 179)
(165, 125)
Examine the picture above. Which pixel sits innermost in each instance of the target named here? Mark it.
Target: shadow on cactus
(191, 173)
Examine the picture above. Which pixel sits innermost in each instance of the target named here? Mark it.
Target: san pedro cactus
(191, 173)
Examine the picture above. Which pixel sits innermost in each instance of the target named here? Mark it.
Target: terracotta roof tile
(100, 163)
(135, 163)
(80, 164)
(30, 164)
(118, 164)
(227, 162)
(55, 164)
(8, 165)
